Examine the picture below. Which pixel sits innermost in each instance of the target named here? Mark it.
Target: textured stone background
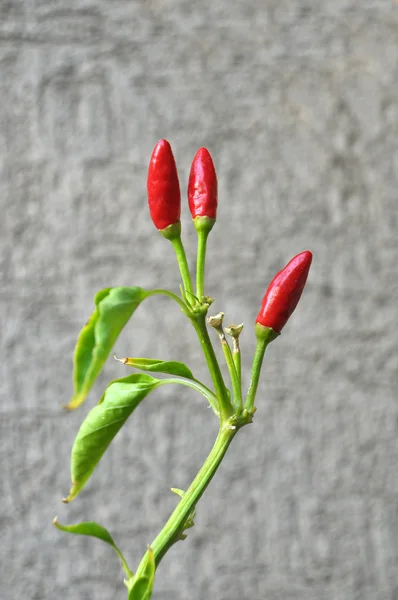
(297, 102)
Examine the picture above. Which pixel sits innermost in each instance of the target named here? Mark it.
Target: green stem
(200, 262)
(175, 524)
(185, 309)
(265, 335)
(226, 409)
(125, 566)
(196, 385)
(237, 362)
(235, 380)
(183, 265)
(207, 392)
(256, 370)
(234, 331)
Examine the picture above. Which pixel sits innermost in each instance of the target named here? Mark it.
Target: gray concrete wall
(297, 101)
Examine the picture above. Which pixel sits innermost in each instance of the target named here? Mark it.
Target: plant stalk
(256, 371)
(183, 265)
(237, 361)
(196, 385)
(200, 262)
(226, 408)
(175, 524)
(235, 380)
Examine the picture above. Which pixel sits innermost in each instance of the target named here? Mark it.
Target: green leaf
(92, 529)
(158, 366)
(174, 368)
(102, 424)
(142, 586)
(87, 528)
(114, 307)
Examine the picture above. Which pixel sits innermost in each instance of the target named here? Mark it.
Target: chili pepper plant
(113, 309)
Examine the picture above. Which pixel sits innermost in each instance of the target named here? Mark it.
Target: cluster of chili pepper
(164, 196)
(164, 199)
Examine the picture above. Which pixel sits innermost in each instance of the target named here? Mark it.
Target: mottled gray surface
(297, 101)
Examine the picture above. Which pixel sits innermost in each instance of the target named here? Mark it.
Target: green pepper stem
(198, 386)
(234, 331)
(183, 265)
(237, 361)
(256, 371)
(235, 379)
(175, 524)
(265, 335)
(125, 566)
(217, 323)
(184, 308)
(226, 409)
(200, 262)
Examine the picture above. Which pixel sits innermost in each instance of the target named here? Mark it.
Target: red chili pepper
(202, 186)
(164, 196)
(284, 291)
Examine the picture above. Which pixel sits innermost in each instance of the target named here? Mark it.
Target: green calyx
(171, 232)
(265, 333)
(203, 224)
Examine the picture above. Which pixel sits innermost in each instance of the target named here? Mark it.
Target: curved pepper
(164, 197)
(284, 292)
